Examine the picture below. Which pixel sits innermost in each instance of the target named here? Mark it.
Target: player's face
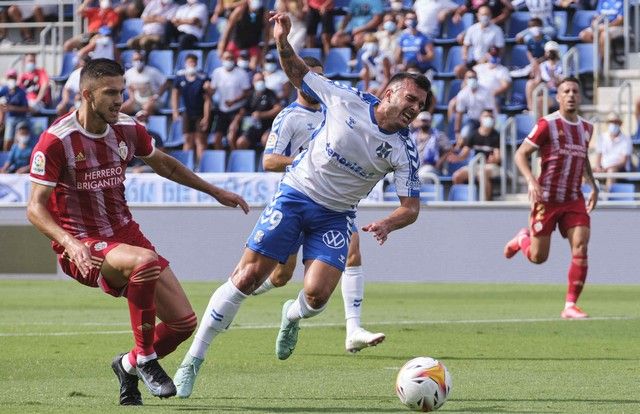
(568, 97)
(405, 100)
(105, 98)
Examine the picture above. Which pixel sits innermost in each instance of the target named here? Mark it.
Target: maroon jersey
(562, 146)
(88, 172)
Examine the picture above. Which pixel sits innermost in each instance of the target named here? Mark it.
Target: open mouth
(406, 117)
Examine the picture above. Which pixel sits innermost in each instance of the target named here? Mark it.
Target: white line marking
(323, 325)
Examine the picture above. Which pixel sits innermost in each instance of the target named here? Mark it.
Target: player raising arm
(77, 200)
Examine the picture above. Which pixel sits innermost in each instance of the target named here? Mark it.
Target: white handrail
(436, 180)
(478, 161)
(626, 85)
(506, 132)
(572, 54)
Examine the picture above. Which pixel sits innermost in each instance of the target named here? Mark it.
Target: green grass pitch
(505, 345)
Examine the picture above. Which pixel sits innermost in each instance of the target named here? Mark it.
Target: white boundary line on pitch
(324, 325)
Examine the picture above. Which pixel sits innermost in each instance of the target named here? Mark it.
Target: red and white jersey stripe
(563, 148)
(88, 172)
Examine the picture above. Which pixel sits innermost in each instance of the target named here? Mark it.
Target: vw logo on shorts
(334, 239)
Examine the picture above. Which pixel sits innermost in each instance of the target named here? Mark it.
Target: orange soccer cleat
(573, 312)
(513, 246)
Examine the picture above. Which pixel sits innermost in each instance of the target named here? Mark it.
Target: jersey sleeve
(405, 174)
(47, 160)
(281, 133)
(326, 91)
(539, 135)
(145, 144)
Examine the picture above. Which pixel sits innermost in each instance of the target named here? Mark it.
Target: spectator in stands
(613, 149)
(36, 12)
(478, 39)
(433, 146)
(3, 31)
(248, 25)
(276, 79)
(222, 11)
(35, 82)
(471, 101)
(297, 14)
(145, 84)
(130, 9)
(188, 24)
(233, 87)
(70, 97)
(100, 46)
(485, 140)
(244, 62)
(550, 73)
(376, 66)
(534, 38)
(154, 17)
(320, 11)
(13, 107)
(493, 75)
(388, 36)
(614, 10)
(500, 10)
(415, 47)
(363, 16)
(431, 14)
(258, 115)
(20, 152)
(193, 87)
(97, 17)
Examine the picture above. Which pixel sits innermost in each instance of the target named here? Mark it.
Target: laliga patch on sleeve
(271, 141)
(38, 164)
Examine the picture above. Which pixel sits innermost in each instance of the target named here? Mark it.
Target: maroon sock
(577, 277)
(171, 334)
(142, 309)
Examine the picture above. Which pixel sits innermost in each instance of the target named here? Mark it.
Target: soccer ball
(423, 384)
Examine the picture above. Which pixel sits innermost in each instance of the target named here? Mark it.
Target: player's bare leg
(352, 287)
(320, 280)
(279, 277)
(534, 248)
(251, 272)
(139, 270)
(578, 240)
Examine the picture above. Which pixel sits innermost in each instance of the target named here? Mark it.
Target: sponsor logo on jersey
(334, 239)
(99, 179)
(383, 150)
(38, 164)
(123, 150)
(346, 164)
(258, 236)
(100, 246)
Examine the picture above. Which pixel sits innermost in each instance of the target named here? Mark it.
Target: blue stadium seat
(517, 100)
(163, 60)
(438, 59)
(211, 37)
(431, 192)
(455, 166)
(337, 61)
(175, 137)
(454, 58)
(460, 192)
(621, 192)
(585, 58)
(185, 157)
(213, 161)
(4, 156)
(38, 125)
(129, 28)
(126, 58)
(437, 121)
(315, 52)
(242, 161)
(213, 61)
(586, 190)
(438, 89)
(158, 124)
(68, 65)
(561, 19)
(454, 88)
(581, 20)
(518, 21)
(519, 57)
(450, 30)
(524, 125)
(390, 193)
(182, 55)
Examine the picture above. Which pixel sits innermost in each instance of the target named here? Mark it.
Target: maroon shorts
(100, 246)
(545, 216)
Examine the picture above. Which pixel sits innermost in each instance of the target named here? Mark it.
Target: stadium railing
(476, 169)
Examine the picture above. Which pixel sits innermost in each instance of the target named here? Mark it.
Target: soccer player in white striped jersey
(290, 135)
(361, 139)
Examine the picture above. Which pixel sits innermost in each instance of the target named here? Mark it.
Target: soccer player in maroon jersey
(77, 200)
(562, 140)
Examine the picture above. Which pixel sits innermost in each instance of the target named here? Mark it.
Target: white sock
(127, 365)
(221, 310)
(569, 304)
(352, 285)
(265, 287)
(141, 359)
(300, 309)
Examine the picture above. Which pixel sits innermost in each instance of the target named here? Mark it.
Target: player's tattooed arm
(291, 63)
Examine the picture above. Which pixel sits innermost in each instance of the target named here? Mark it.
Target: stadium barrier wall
(449, 243)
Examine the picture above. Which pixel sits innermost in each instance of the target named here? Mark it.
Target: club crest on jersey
(383, 150)
(123, 150)
(334, 239)
(350, 122)
(100, 246)
(38, 164)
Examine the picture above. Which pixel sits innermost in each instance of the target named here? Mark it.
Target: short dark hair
(312, 62)
(536, 21)
(419, 79)
(191, 56)
(98, 68)
(570, 79)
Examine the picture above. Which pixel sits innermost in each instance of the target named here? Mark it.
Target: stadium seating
(450, 30)
(621, 192)
(517, 99)
(438, 89)
(185, 157)
(518, 21)
(524, 125)
(68, 64)
(437, 121)
(213, 161)
(314, 52)
(585, 58)
(337, 62)
(211, 37)
(129, 29)
(242, 161)
(213, 61)
(581, 20)
(4, 156)
(561, 19)
(438, 59)
(454, 58)
(38, 125)
(163, 60)
(460, 192)
(389, 193)
(158, 124)
(519, 57)
(431, 192)
(126, 58)
(454, 88)
(182, 55)
(175, 138)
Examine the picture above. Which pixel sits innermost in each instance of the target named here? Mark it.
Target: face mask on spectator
(535, 31)
(260, 86)
(22, 139)
(190, 70)
(105, 4)
(396, 5)
(411, 23)
(389, 26)
(270, 67)
(255, 4)
(484, 19)
(228, 64)
(614, 129)
(487, 122)
(29, 67)
(139, 65)
(11, 83)
(102, 41)
(472, 83)
(242, 63)
(370, 47)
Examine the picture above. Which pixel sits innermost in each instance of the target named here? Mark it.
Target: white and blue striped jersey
(349, 153)
(292, 129)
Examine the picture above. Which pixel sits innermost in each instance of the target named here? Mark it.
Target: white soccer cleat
(185, 377)
(361, 339)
